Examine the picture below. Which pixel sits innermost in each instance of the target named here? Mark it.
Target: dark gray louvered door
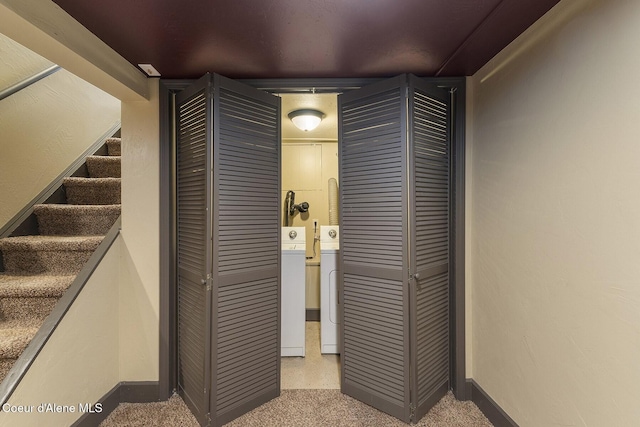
(193, 198)
(430, 148)
(246, 252)
(373, 256)
(394, 174)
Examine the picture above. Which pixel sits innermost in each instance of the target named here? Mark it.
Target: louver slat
(375, 357)
(430, 143)
(246, 232)
(193, 334)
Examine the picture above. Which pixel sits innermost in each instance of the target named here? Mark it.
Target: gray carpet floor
(317, 408)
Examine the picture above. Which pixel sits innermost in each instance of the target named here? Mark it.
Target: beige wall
(44, 128)
(18, 62)
(555, 219)
(79, 363)
(139, 280)
(312, 285)
(306, 169)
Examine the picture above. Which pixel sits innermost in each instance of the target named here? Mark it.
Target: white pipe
(333, 201)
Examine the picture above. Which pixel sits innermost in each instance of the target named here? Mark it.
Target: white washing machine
(329, 288)
(292, 292)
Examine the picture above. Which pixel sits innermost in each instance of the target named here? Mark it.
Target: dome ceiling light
(306, 119)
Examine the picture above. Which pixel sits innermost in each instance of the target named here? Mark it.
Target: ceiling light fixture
(306, 119)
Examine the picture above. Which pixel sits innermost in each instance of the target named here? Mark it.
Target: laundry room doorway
(224, 357)
(309, 173)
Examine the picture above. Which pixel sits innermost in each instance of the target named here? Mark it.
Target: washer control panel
(293, 238)
(330, 237)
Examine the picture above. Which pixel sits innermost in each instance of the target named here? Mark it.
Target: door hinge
(208, 282)
(416, 278)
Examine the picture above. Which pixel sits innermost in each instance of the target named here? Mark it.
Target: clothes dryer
(329, 289)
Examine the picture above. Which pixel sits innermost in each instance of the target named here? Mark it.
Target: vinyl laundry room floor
(315, 370)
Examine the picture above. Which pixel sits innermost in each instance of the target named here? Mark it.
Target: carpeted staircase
(39, 268)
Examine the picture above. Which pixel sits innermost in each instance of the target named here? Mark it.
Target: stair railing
(28, 81)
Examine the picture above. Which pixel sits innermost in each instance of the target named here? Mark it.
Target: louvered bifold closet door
(373, 220)
(246, 235)
(430, 148)
(193, 198)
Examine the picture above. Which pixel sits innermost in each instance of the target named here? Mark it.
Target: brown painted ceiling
(308, 38)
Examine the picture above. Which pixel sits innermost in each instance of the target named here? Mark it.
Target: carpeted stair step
(24, 297)
(15, 336)
(114, 146)
(47, 254)
(13, 341)
(103, 166)
(5, 366)
(81, 220)
(92, 191)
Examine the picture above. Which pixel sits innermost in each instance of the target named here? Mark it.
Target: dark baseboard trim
(488, 406)
(132, 392)
(313, 315)
(109, 402)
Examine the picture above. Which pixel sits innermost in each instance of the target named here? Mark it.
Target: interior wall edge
(468, 214)
(139, 328)
(549, 23)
